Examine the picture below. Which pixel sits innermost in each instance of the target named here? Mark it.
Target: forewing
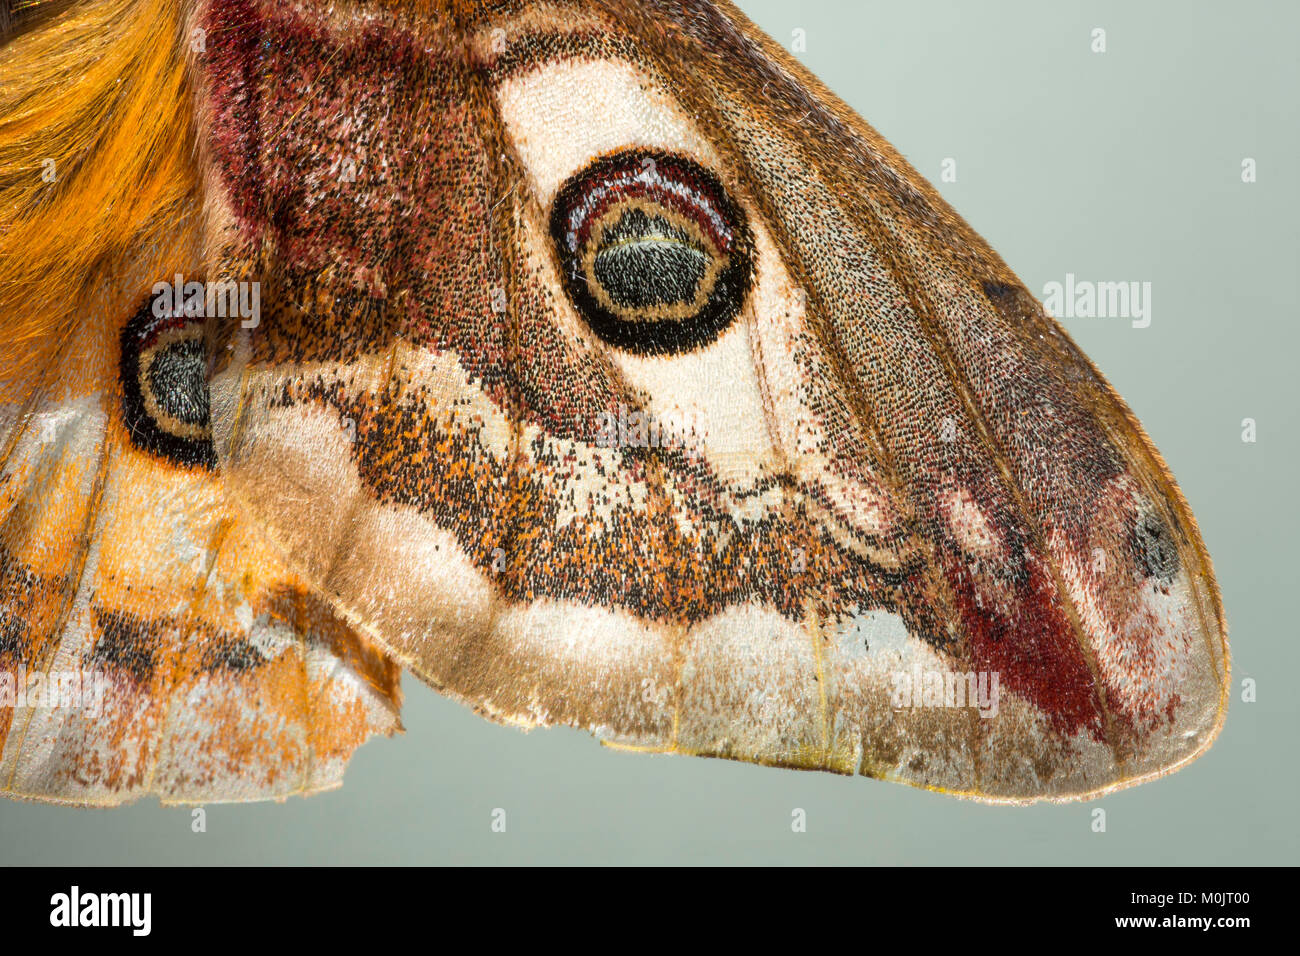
(788, 530)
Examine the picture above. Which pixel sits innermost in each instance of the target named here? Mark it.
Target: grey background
(1116, 166)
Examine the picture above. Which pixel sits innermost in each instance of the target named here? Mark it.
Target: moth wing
(892, 478)
(148, 643)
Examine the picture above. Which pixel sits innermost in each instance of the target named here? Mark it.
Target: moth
(590, 360)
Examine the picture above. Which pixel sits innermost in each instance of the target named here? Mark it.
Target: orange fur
(100, 89)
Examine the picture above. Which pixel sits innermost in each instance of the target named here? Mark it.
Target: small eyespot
(163, 369)
(1155, 548)
(655, 255)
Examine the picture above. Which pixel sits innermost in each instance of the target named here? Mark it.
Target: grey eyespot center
(648, 272)
(177, 379)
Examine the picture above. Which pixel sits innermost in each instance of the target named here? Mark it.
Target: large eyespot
(165, 385)
(655, 255)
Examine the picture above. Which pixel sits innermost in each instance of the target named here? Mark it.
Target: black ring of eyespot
(655, 255)
(163, 370)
